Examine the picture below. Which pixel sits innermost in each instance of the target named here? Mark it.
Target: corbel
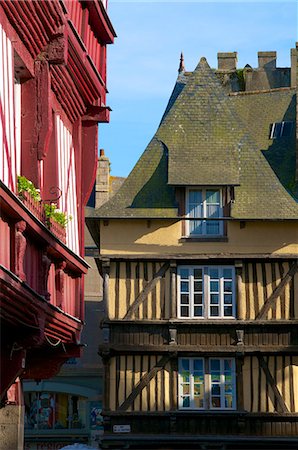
(97, 114)
(20, 249)
(57, 49)
(44, 275)
(172, 335)
(59, 283)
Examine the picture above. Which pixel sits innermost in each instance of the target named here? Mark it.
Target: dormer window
(281, 129)
(205, 203)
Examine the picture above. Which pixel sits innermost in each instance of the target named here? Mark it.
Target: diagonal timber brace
(144, 381)
(281, 405)
(277, 291)
(144, 293)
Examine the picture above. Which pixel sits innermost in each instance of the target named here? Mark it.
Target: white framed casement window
(206, 292)
(207, 383)
(205, 203)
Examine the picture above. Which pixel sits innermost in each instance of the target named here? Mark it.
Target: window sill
(204, 239)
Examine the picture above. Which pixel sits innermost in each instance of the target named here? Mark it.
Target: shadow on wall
(281, 155)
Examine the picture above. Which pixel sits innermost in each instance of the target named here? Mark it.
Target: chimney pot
(227, 61)
(101, 152)
(267, 60)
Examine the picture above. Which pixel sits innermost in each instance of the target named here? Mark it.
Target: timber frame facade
(198, 252)
(52, 96)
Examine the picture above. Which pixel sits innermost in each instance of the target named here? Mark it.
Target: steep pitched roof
(258, 111)
(201, 133)
(207, 138)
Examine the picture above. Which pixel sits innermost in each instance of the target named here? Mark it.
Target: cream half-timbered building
(198, 253)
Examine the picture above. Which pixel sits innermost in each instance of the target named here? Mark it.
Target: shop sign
(121, 429)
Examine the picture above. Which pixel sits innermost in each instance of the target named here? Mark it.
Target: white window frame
(204, 215)
(280, 134)
(207, 401)
(206, 301)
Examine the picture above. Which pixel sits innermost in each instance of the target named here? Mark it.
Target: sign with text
(121, 429)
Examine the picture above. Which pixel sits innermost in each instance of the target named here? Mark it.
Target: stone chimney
(293, 67)
(267, 60)
(102, 185)
(227, 61)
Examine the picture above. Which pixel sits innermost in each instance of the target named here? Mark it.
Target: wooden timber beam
(270, 380)
(144, 381)
(277, 291)
(144, 293)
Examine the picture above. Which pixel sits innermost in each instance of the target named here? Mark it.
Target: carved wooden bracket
(44, 275)
(43, 114)
(20, 248)
(57, 50)
(59, 283)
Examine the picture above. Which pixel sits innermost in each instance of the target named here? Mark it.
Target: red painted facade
(52, 96)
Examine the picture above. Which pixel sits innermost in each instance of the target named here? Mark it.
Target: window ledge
(204, 239)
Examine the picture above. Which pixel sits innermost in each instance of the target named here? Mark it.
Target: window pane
(228, 389)
(197, 273)
(287, 128)
(195, 196)
(215, 364)
(199, 402)
(228, 364)
(214, 286)
(228, 287)
(184, 286)
(198, 364)
(198, 378)
(212, 196)
(212, 227)
(184, 273)
(277, 130)
(228, 401)
(214, 299)
(213, 211)
(185, 299)
(228, 299)
(198, 286)
(198, 311)
(215, 390)
(184, 311)
(213, 272)
(196, 226)
(228, 311)
(214, 311)
(185, 389)
(186, 402)
(215, 402)
(198, 299)
(227, 273)
(185, 364)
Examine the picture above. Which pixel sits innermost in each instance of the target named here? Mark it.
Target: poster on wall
(96, 420)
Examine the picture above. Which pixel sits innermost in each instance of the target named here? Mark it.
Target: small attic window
(281, 129)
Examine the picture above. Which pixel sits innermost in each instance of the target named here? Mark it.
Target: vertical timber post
(173, 289)
(106, 279)
(239, 300)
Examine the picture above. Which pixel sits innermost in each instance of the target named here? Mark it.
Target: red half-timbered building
(52, 96)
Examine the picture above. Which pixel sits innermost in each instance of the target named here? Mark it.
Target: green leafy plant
(60, 217)
(25, 185)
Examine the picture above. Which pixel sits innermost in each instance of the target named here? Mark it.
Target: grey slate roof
(209, 138)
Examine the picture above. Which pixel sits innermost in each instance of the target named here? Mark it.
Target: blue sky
(143, 62)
